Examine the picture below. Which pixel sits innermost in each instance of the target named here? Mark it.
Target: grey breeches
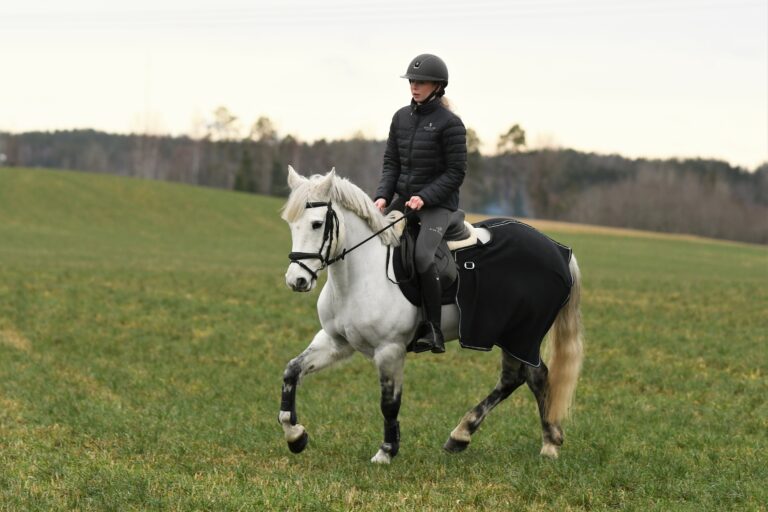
(434, 224)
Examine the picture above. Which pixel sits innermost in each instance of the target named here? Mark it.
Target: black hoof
(298, 445)
(454, 446)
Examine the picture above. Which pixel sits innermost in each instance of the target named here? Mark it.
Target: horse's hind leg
(551, 433)
(321, 353)
(512, 376)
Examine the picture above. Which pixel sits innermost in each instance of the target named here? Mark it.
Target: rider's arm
(391, 168)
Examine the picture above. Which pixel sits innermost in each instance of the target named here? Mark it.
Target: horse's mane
(344, 193)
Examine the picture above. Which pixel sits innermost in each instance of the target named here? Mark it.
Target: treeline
(704, 197)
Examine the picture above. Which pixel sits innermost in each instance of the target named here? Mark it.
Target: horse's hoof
(454, 446)
(381, 457)
(299, 444)
(549, 450)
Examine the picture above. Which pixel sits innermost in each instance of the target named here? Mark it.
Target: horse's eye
(317, 224)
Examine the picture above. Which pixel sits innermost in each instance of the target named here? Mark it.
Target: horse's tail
(566, 352)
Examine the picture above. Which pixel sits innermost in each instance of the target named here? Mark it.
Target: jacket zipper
(414, 127)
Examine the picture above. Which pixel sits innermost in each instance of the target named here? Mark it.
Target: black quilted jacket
(426, 155)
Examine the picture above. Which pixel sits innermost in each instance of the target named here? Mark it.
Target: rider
(425, 162)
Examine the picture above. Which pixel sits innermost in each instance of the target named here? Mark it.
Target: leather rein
(331, 229)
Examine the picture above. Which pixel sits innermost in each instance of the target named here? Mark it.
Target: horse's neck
(364, 265)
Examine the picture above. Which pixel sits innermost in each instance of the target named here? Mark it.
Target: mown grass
(144, 328)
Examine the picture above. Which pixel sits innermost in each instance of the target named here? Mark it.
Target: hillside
(82, 207)
(89, 213)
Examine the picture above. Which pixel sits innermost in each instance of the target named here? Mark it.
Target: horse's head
(316, 229)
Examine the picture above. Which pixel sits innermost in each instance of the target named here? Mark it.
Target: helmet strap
(433, 94)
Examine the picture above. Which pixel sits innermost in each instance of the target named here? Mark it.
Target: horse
(361, 310)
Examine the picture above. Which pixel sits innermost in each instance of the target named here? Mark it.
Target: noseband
(331, 227)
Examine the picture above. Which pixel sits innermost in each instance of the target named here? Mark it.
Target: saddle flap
(404, 267)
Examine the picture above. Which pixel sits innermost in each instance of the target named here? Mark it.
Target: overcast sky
(654, 78)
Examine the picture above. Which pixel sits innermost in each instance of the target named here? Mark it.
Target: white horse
(361, 310)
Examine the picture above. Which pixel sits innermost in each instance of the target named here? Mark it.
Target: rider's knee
(423, 262)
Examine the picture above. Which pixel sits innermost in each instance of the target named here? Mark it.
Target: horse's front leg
(321, 353)
(390, 361)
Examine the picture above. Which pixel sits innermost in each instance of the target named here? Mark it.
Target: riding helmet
(427, 67)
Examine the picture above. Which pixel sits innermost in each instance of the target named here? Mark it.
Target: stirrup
(427, 338)
(421, 342)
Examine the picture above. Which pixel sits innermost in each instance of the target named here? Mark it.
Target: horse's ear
(294, 178)
(324, 187)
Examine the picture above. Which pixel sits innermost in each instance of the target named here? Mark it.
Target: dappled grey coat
(426, 155)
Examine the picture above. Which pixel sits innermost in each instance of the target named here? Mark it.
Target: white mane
(344, 193)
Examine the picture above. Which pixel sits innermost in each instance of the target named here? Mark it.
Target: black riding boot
(428, 334)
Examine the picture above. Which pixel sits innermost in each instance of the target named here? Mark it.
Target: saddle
(459, 234)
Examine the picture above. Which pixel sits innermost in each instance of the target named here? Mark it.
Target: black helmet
(427, 67)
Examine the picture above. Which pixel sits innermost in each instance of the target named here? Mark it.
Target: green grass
(144, 328)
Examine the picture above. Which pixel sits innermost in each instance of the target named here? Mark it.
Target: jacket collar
(425, 108)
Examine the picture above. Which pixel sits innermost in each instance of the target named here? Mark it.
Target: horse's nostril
(301, 283)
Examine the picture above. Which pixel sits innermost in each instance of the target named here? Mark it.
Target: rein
(331, 222)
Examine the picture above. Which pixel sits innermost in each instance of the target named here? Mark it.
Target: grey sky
(653, 78)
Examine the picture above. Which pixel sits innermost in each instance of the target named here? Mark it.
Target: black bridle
(330, 230)
(331, 226)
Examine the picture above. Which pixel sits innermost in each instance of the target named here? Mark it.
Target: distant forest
(703, 197)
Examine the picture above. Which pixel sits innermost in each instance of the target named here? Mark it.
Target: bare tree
(224, 126)
(512, 141)
(264, 144)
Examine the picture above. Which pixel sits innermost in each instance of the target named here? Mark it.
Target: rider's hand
(380, 203)
(415, 203)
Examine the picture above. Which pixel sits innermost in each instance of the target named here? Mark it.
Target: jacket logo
(430, 128)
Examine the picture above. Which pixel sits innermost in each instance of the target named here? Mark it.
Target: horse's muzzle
(301, 285)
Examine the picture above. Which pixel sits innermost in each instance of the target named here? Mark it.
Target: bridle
(330, 230)
(331, 227)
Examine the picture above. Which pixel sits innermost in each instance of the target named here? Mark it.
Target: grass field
(144, 328)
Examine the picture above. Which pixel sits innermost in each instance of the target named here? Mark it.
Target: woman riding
(425, 163)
